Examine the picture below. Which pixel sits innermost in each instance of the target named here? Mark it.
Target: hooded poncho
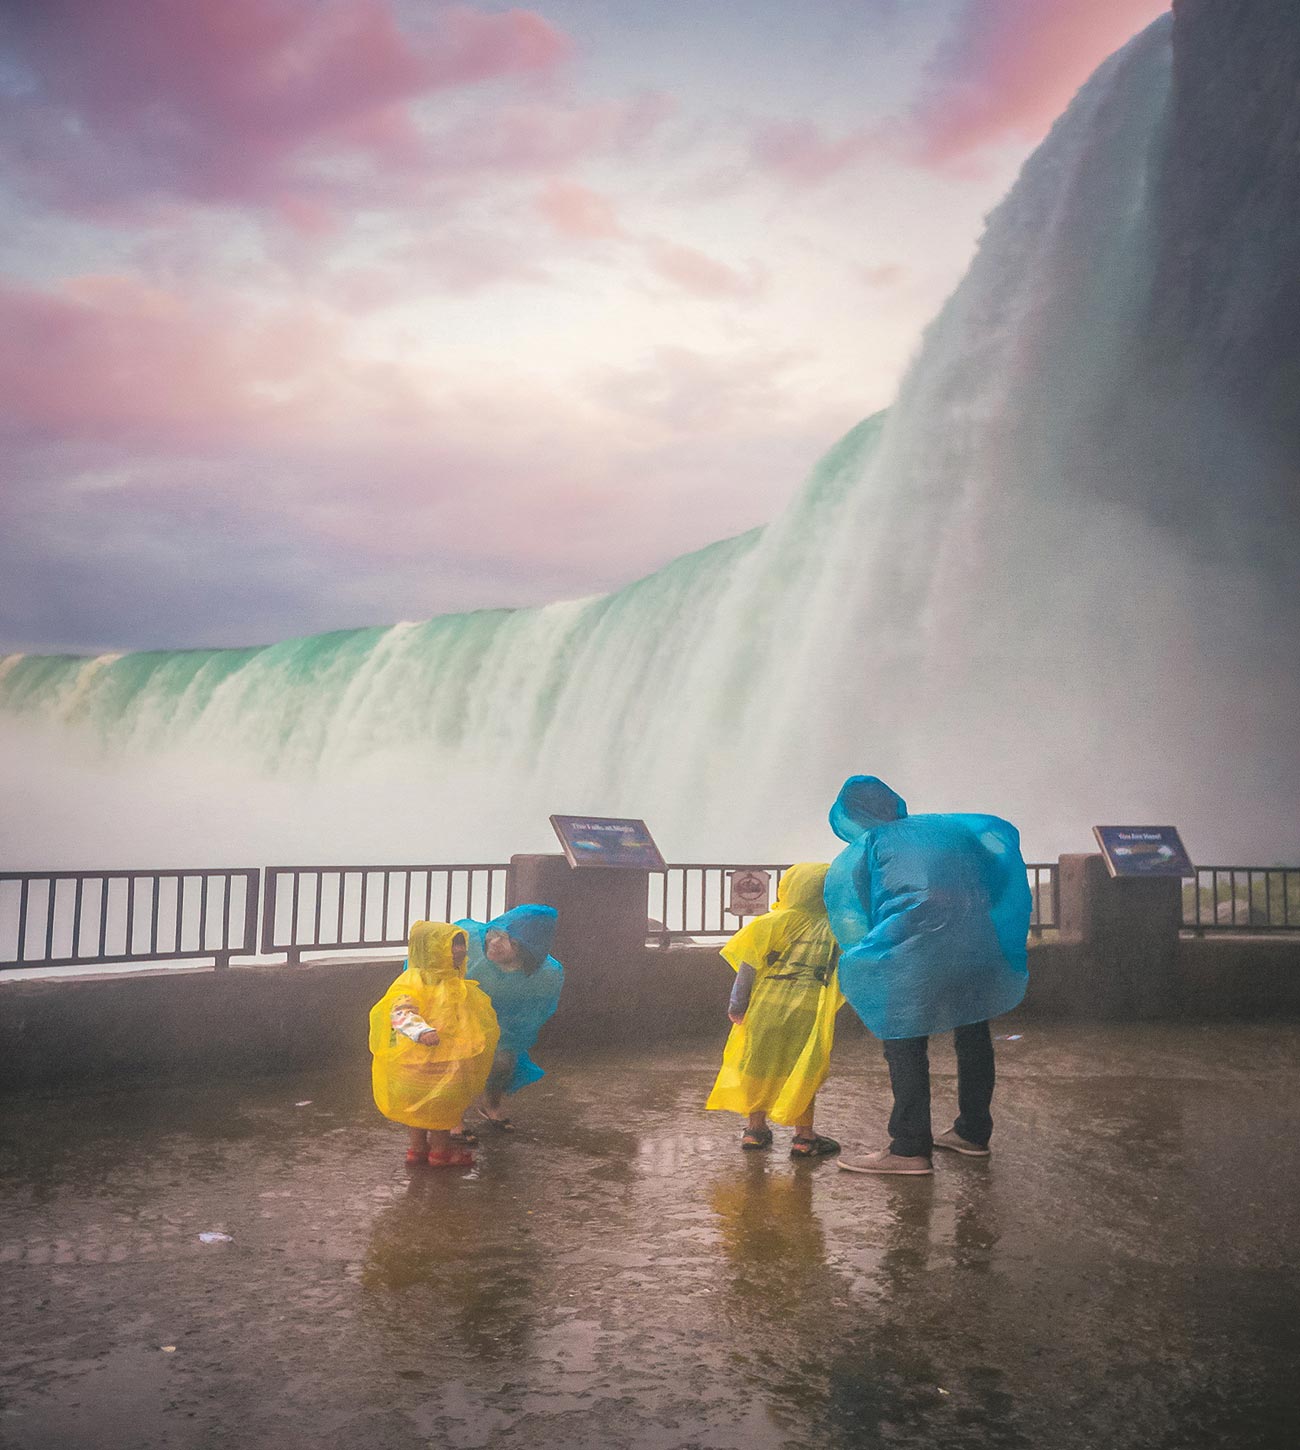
(523, 1000)
(777, 1058)
(932, 913)
(430, 1087)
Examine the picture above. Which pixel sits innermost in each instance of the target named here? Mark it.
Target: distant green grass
(1263, 897)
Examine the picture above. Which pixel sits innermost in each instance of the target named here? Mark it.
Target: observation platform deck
(1122, 1272)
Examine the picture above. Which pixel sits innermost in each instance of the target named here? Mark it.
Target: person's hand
(429, 1038)
(736, 1017)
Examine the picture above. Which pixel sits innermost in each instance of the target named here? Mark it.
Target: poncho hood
(864, 801)
(429, 954)
(532, 929)
(801, 888)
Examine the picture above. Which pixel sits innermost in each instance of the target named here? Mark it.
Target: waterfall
(977, 595)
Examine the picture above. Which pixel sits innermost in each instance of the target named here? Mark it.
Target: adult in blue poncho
(932, 916)
(509, 957)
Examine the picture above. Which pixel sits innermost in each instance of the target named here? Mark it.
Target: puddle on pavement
(618, 1273)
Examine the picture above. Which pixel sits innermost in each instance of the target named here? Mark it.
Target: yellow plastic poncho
(430, 1087)
(777, 1058)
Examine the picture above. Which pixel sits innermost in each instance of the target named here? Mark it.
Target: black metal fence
(356, 908)
(1243, 899)
(689, 901)
(111, 917)
(70, 918)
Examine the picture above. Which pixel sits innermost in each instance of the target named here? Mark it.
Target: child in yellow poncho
(783, 1009)
(433, 1036)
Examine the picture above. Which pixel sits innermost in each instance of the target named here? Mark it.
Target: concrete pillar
(600, 937)
(1127, 931)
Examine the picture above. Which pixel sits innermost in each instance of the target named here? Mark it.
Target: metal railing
(690, 900)
(1242, 899)
(71, 918)
(353, 908)
(111, 917)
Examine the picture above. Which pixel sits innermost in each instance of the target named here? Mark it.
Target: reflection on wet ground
(1122, 1273)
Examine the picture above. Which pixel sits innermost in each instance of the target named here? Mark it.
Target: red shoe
(455, 1158)
(416, 1157)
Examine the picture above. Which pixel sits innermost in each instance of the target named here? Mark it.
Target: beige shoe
(959, 1145)
(886, 1162)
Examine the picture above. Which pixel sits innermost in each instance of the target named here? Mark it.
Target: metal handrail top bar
(422, 866)
(1245, 868)
(726, 866)
(120, 873)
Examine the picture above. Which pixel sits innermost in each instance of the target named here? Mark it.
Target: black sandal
(465, 1137)
(752, 1139)
(814, 1147)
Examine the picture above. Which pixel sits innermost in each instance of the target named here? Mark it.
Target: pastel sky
(321, 313)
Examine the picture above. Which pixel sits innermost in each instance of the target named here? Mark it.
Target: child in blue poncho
(509, 957)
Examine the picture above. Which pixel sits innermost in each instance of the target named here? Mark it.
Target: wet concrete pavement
(1122, 1272)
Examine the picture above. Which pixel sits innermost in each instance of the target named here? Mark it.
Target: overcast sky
(321, 313)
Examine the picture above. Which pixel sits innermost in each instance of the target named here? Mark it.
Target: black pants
(909, 1075)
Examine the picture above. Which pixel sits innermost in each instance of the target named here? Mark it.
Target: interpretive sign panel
(607, 841)
(1143, 851)
(750, 892)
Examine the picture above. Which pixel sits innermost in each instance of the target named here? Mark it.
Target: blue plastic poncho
(523, 999)
(932, 913)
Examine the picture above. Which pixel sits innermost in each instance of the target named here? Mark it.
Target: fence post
(268, 910)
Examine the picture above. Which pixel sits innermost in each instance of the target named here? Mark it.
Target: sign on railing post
(751, 892)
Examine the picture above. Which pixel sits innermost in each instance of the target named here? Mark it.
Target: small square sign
(1143, 851)
(751, 892)
(607, 841)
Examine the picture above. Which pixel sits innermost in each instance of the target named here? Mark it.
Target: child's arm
(409, 1023)
(740, 993)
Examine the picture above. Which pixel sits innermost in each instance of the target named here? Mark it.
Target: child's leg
(807, 1143)
(417, 1148)
(443, 1153)
(503, 1070)
(757, 1134)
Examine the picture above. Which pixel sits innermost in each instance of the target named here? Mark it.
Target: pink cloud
(695, 272)
(543, 135)
(454, 263)
(1012, 66)
(109, 360)
(577, 211)
(227, 100)
(798, 152)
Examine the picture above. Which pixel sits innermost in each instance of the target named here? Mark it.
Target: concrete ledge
(1232, 978)
(263, 1019)
(256, 1020)
(183, 1023)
